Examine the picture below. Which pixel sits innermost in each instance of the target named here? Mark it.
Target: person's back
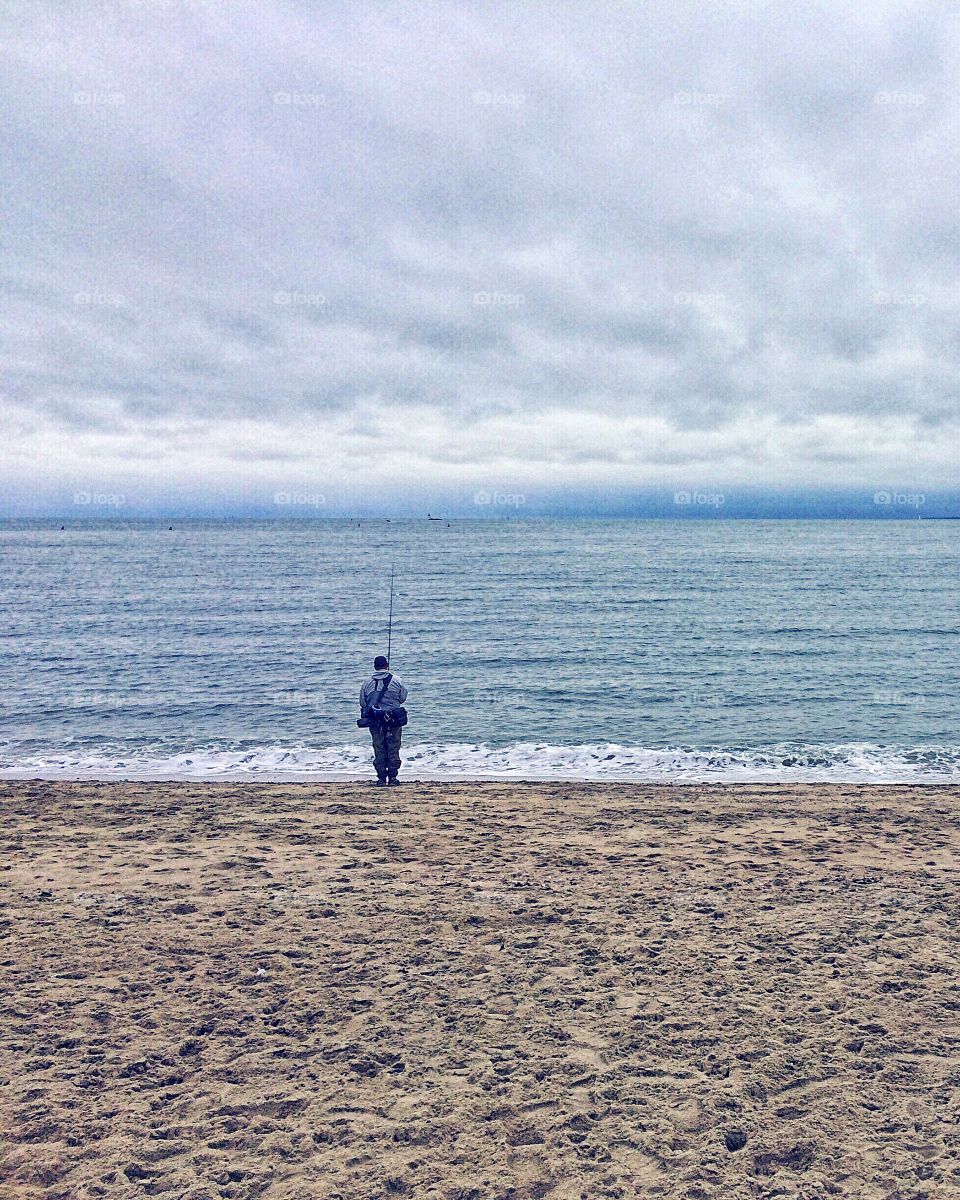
(382, 695)
(393, 695)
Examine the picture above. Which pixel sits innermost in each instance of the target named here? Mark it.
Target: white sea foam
(851, 763)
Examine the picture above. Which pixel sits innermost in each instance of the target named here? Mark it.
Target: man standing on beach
(382, 696)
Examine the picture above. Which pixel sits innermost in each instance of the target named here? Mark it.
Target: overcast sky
(372, 256)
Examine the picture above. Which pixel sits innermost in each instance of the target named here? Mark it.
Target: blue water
(633, 649)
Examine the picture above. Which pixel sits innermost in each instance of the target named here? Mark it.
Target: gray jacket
(393, 697)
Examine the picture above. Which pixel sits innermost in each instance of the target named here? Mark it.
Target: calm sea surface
(623, 649)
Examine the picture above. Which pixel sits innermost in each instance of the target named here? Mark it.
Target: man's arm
(403, 693)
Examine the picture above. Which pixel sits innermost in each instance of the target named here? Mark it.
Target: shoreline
(784, 763)
(413, 778)
(473, 782)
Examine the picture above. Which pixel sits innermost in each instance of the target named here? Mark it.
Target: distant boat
(429, 518)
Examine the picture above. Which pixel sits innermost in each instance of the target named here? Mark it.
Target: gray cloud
(596, 246)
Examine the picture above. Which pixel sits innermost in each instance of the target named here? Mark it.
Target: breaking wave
(786, 762)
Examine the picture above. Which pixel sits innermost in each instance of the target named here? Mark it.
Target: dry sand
(480, 991)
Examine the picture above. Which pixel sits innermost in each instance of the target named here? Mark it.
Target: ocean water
(649, 650)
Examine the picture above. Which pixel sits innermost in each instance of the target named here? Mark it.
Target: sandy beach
(480, 991)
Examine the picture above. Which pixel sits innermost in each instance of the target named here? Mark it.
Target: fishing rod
(390, 622)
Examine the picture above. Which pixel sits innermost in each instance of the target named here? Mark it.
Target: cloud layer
(387, 252)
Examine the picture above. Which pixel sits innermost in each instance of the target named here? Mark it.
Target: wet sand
(472, 992)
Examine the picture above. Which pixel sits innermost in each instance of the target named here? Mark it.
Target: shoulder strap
(383, 690)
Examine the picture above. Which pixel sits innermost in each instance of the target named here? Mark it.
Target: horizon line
(304, 518)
